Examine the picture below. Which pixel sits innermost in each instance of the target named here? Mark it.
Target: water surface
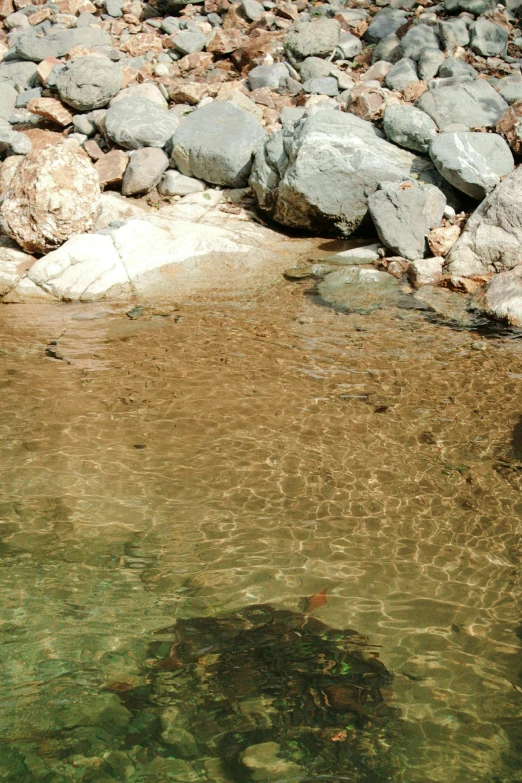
(217, 454)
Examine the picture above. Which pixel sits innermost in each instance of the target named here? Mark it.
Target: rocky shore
(146, 142)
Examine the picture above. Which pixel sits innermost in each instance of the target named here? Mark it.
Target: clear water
(222, 454)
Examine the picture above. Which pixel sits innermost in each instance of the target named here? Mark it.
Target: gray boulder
(409, 127)
(324, 85)
(475, 7)
(318, 173)
(404, 213)
(476, 104)
(189, 41)
(8, 96)
(145, 169)
(89, 83)
(175, 184)
(268, 75)
(91, 38)
(13, 142)
(385, 23)
(20, 75)
(314, 68)
(510, 87)
(488, 38)
(252, 9)
(417, 39)
(453, 33)
(453, 67)
(137, 122)
(429, 63)
(216, 144)
(349, 46)
(388, 49)
(472, 162)
(492, 238)
(401, 75)
(54, 44)
(312, 39)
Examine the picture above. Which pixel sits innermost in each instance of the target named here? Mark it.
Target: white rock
(425, 271)
(114, 208)
(504, 297)
(14, 264)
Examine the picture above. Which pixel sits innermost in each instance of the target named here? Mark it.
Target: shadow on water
(272, 695)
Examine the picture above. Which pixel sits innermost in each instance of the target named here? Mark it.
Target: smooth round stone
(137, 122)
(89, 83)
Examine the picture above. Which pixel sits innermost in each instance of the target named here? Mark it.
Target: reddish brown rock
(186, 92)
(510, 126)
(45, 67)
(52, 109)
(226, 41)
(441, 240)
(414, 91)
(6, 8)
(142, 43)
(40, 16)
(196, 60)
(40, 139)
(369, 102)
(54, 195)
(93, 150)
(111, 168)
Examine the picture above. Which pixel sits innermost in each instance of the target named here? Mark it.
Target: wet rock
(488, 38)
(492, 238)
(55, 194)
(401, 75)
(475, 104)
(425, 271)
(265, 762)
(409, 127)
(366, 254)
(216, 144)
(404, 213)
(176, 184)
(89, 83)
(449, 307)
(503, 297)
(320, 178)
(472, 162)
(312, 39)
(359, 290)
(138, 122)
(510, 126)
(145, 169)
(417, 40)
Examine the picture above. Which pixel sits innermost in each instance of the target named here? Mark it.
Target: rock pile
(333, 115)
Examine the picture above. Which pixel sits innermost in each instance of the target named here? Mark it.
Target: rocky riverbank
(150, 145)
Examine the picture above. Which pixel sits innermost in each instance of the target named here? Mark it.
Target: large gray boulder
(475, 104)
(492, 239)
(137, 122)
(404, 213)
(401, 75)
(312, 39)
(409, 127)
(453, 33)
(318, 173)
(89, 83)
(472, 162)
(216, 144)
(488, 38)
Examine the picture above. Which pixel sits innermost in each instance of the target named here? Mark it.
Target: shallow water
(202, 458)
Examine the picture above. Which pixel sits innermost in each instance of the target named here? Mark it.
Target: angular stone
(425, 271)
(138, 122)
(404, 213)
(453, 67)
(270, 76)
(476, 104)
(488, 38)
(409, 127)
(141, 43)
(55, 194)
(14, 264)
(21, 75)
(111, 168)
(52, 109)
(89, 83)
(216, 143)
(148, 90)
(349, 46)
(387, 50)
(181, 91)
(510, 87)
(401, 75)
(8, 97)
(54, 44)
(320, 177)
(144, 171)
(226, 41)
(417, 40)
(325, 85)
(503, 299)
(312, 39)
(454, 33)
(176, 184)
(429, 63)
(472, 162)
(442, 239)
(384, 24)
(492, 238)
(40, 138)
(510, 126)
(189, 41)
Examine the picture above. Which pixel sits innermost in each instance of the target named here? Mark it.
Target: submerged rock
(275, 694)
(359, 290)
